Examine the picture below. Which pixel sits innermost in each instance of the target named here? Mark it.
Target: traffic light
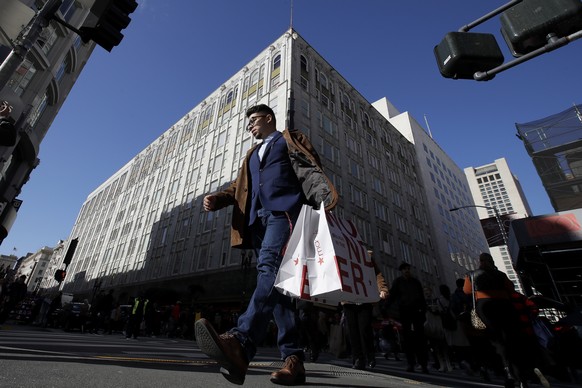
(60, 275)
(527, 26)
(461, 54)
(7, 132)
(70, 251)
(113, 16)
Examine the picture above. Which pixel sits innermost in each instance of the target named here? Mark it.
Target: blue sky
(176, 52)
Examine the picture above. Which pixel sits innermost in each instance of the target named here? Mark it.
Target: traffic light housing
(526, 26)
(7, 132)
(113, 16)
(60, 275)
(461, 54)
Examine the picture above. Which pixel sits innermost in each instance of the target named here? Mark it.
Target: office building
(497, 193)
(458, 237)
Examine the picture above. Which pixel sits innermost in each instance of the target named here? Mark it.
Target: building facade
(36, 90)
(555, 145)
(34, 267)
(144, 228)
(7, 263)
(497, 192)
(458, 239)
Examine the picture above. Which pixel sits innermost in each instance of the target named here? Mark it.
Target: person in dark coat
(17, 291)
(359, 318)
(493, 291)
(407, 292)
(135, 318)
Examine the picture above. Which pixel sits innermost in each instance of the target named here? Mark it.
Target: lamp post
(497, 218)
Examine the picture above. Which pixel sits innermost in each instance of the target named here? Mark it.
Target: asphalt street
(35, 357)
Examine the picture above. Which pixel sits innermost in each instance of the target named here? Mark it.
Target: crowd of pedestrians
(430, 328)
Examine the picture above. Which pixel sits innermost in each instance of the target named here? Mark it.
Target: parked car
(74, 316)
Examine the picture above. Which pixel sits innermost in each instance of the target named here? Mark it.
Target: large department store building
(144, 228)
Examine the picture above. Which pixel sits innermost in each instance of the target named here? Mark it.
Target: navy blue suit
(274, 185)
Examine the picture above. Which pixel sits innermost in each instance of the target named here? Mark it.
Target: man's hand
(209, 203)
(383, 295)
(5, 109)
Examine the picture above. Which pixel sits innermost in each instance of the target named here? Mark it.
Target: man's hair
(261, 108)
(460, 282)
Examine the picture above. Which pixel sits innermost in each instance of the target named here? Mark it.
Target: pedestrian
(56, 303)
(408, 294)
(17, 291)
(493, 291)
(454, 335)
(311, 337)
(472, 354)
(359, 321)
(135, 318)
(149, 315)
(174, 320)
(277, 177)
(435, 333)
(531, 358)
(388, 341)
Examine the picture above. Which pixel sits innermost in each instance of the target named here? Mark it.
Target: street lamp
(497, 218)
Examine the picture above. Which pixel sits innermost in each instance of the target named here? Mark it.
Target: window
(329, 151)
(355, 169)
(353, 145)
(277, 62)
(305, 109)
(323, 80)
(67, 9)
(275, 73)
(40, 105)
(304, 64)
(328, 126)
(47, 39)
(304, 73)
(378, 185)
(61, 71)
(22, 77)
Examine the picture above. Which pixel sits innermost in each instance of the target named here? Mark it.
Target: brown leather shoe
(293, 372)
(225, 349)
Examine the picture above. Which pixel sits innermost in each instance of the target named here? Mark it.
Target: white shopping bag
(292, 278)
(342, 269)
(292, 275)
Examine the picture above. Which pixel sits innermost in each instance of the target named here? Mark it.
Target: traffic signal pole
(112, 18)
(28, 39)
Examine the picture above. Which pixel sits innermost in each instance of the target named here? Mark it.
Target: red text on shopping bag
(353, 263)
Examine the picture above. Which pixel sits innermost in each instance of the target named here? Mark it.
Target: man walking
(277, 177)
(408, 293)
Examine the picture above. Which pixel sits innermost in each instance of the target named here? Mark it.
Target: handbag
(476, 321)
